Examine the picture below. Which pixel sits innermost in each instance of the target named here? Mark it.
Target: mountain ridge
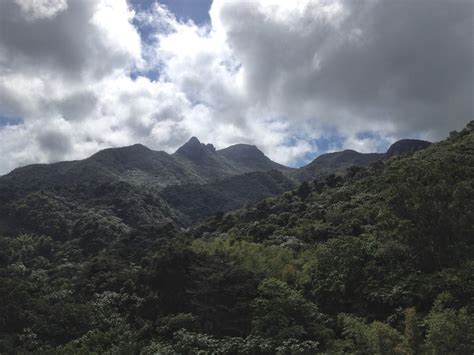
(234, 153)
(376, 260)
(191, 184)
(406, 146)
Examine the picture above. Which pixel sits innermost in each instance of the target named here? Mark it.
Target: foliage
(378, 261)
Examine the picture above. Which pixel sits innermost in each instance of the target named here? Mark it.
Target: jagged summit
(195, 150)
(193, 140)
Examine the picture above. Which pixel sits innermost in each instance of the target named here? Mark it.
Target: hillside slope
(338, 162)
(375, 248)
(250, 158)
(405, 147)
(199, 201)
(377, 260)
(133, 186)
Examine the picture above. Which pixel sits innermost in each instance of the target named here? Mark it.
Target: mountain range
(102, 255)
(136, 185)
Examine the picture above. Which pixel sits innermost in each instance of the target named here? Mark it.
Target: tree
(282, 312)
(303, 190)
(449, 331)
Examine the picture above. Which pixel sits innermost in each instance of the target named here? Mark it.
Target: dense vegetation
(132, 186)
(379, 260)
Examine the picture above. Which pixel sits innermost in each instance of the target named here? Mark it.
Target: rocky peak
(195, 150)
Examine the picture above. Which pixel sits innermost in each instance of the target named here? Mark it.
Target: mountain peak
(406, 146)
(194, 140)
(195, 150)
(241, 151)
(250, 157)
(128, 152)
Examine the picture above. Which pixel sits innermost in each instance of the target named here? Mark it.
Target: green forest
(375, 260)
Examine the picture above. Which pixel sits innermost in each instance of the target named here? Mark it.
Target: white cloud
(41, 9)
(278, 74)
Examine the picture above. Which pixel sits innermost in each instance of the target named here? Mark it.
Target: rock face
(406, 146)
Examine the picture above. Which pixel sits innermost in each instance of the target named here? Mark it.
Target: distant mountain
(135, 185)
(406, 146)
(335, 163)
(135, 164)
(338, 162)
(138, 165)
(249, 157)
(379, 260)
(203, 159)
(394, 236)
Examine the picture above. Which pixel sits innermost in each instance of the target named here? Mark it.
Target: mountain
(338, 162)
(376, 260)
(250, 158)
(406, 146)
(135, 164)
(138, 165)
(394, 239)
(234, 160)
(198, 201)
(135, 185)
(203, 159)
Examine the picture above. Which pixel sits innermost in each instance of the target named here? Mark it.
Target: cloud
(54, 142)
(90, 74)
(72, 40)
(41, 9)
(395, 66)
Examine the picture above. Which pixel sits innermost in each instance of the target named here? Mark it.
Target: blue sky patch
(331, 141)
(9, 121)
(196, 10)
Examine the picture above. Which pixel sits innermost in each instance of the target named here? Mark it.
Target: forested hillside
(338, 162)
(127, 187)
(131, 186)
(378, 260)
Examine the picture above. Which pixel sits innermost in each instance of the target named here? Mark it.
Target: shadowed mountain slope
(250, 158)
(135, 185)
(338, 162)
(378, 260)
(198, 201)
(406, 146)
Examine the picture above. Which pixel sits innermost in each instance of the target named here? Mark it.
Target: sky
(296, 78)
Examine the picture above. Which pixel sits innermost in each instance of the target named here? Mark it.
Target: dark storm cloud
(77, 106)
(407, 63)
(54, 143)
